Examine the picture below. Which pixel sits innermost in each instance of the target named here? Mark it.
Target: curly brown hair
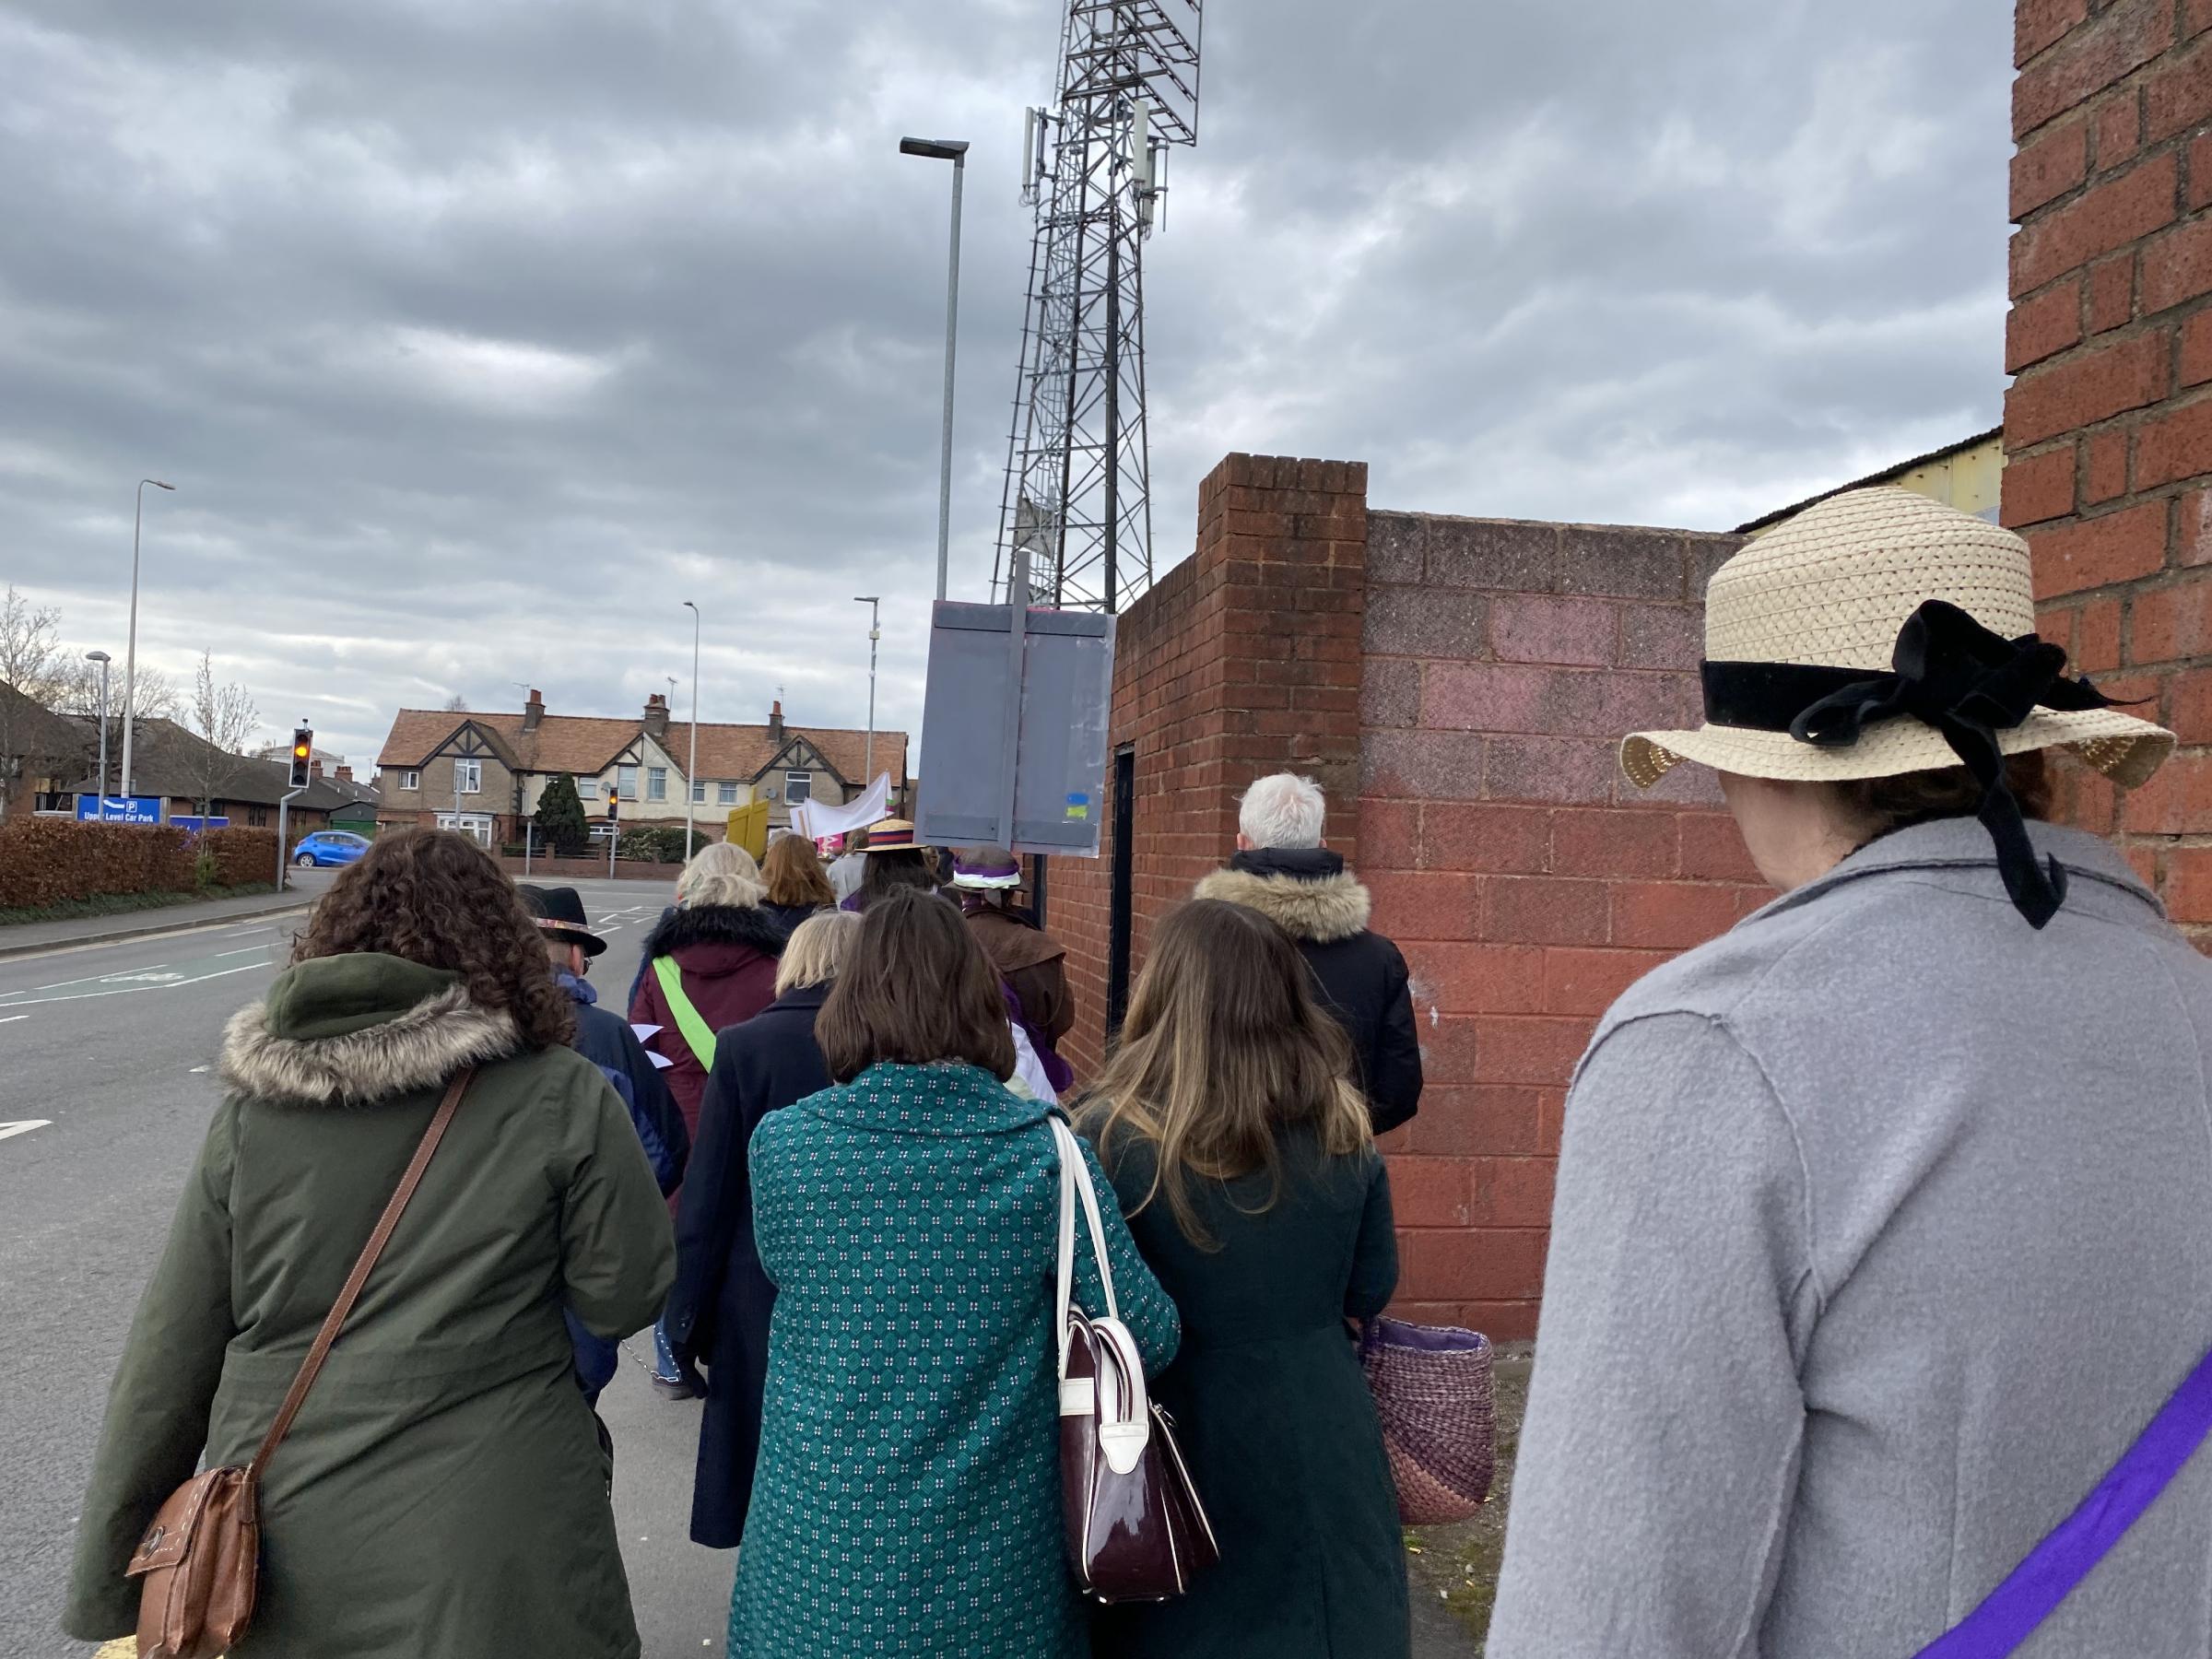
(435, 897)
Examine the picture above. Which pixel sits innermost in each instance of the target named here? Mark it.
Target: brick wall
(1243, 660)
(1527, 880)
(1458, 687)
(2109, 424)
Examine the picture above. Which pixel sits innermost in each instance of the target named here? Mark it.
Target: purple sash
(2008, 1616)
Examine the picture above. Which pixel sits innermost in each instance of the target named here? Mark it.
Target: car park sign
(120, 810)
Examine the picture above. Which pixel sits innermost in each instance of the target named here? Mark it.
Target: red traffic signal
(303, 752)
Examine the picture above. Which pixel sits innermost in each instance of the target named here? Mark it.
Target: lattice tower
(1078, 492)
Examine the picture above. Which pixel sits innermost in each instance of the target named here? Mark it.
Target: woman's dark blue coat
(718, 1313)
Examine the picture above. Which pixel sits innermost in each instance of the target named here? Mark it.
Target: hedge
(241, 856)
(51, 861)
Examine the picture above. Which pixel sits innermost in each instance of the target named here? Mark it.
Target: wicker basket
(1432, 1391)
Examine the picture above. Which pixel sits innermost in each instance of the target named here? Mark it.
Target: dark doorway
(1121, 908)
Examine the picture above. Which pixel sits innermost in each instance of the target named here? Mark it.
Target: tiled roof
(586, 744)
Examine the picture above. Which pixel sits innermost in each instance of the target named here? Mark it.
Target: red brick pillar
(2108, 426)
(1240, 661)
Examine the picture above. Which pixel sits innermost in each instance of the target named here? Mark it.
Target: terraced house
(483, 773)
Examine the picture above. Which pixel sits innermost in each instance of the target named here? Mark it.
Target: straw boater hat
(1880, 632)
(891, 835)
(1833, 589)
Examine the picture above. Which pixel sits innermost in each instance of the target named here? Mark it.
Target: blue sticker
(1079, 800)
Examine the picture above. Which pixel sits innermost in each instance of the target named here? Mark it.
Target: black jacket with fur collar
(1360, 975)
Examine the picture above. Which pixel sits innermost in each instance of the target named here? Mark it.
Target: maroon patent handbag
(1136, 1529)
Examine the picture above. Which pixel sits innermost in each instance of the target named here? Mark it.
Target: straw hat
(891, 835)
(1834, 588)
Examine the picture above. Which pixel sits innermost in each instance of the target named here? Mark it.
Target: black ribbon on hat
(1966, 680)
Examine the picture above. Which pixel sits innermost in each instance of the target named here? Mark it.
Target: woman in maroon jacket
(710, 963)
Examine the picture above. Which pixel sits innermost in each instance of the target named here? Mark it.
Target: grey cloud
(478, 333)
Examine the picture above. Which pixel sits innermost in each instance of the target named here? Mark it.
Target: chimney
(344, 774)
(775, 722)
(533, 711)
(656, 717)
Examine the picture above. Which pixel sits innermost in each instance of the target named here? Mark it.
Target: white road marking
(221, 954)
(197, 1069)
(14, 1000)
(11, 1018)
(23, 1128)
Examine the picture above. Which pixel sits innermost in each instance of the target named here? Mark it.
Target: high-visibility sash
(697, 1033)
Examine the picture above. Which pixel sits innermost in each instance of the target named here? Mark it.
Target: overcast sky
(478, 335)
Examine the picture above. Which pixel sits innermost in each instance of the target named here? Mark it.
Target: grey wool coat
(1884, 1226)
(442, 1494)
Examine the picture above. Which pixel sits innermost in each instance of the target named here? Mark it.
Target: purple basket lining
(1424, 1339)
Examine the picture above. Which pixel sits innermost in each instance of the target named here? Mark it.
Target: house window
(412, 780)
(699, 791)
(626, 780)
(587, 789)
(657, 783)
(726, 795)
(469, 776)
(798, 786)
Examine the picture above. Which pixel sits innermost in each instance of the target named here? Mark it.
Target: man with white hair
(1282, 870)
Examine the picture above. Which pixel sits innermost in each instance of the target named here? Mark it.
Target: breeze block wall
(1527, 880)
(2108, 427)
(1458, 687)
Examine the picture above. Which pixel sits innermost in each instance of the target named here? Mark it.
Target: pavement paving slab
(26, 938)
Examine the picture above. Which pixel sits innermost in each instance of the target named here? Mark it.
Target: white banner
(818, 821)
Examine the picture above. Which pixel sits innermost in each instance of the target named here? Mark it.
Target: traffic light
(614, 806)
(303, 751)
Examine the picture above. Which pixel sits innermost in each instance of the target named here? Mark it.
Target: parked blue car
(329, 847)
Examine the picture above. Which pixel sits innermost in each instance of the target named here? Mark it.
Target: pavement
(106, 1087)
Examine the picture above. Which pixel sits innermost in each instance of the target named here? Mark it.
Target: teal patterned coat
(907, 1495)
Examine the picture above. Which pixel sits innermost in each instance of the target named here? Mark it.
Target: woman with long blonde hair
(1245, 1161)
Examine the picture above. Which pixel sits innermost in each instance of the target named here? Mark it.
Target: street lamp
(956, 152)
(130, 658)
(103, 659)
(874, 633)
(691, 769)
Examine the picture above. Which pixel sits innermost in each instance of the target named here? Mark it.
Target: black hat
(559, 912)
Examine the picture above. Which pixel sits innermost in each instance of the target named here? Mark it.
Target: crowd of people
(1881, 1232)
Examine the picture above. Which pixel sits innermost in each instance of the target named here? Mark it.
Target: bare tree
(456, 704)
(30, 664)
(78, 694)
(225, 719)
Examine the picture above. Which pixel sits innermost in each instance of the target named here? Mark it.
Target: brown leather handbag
(1136, 1529)
(198, 1563)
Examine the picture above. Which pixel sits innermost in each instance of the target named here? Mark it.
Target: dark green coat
(1273, 1415)
(442, 1494)
(908, 1497)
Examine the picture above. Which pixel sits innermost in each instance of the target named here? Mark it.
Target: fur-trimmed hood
(348, 1030)
(747, 925)
(1309, 894)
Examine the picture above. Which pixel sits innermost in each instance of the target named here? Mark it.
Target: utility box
(1015, 729)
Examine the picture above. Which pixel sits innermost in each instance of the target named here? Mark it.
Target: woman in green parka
(444, 1493)
(907, 1500)
(1247, 1166)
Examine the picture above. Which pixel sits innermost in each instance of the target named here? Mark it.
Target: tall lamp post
(130, 656)
(874, 633)
(955, 151)
(103, 659)
(691, 769)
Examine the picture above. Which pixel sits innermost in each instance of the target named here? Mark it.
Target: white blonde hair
(720, 874)
(818, 950)
(1283, 810)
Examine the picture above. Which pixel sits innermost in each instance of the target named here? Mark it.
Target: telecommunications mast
(1078, 497)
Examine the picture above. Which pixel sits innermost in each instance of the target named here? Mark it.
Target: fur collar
(1318, 909)
(417, 1049)
(716, 924)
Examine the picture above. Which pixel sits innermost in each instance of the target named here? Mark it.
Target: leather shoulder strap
(309, 1367)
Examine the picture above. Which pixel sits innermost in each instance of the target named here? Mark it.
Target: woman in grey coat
(1884, 1222)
